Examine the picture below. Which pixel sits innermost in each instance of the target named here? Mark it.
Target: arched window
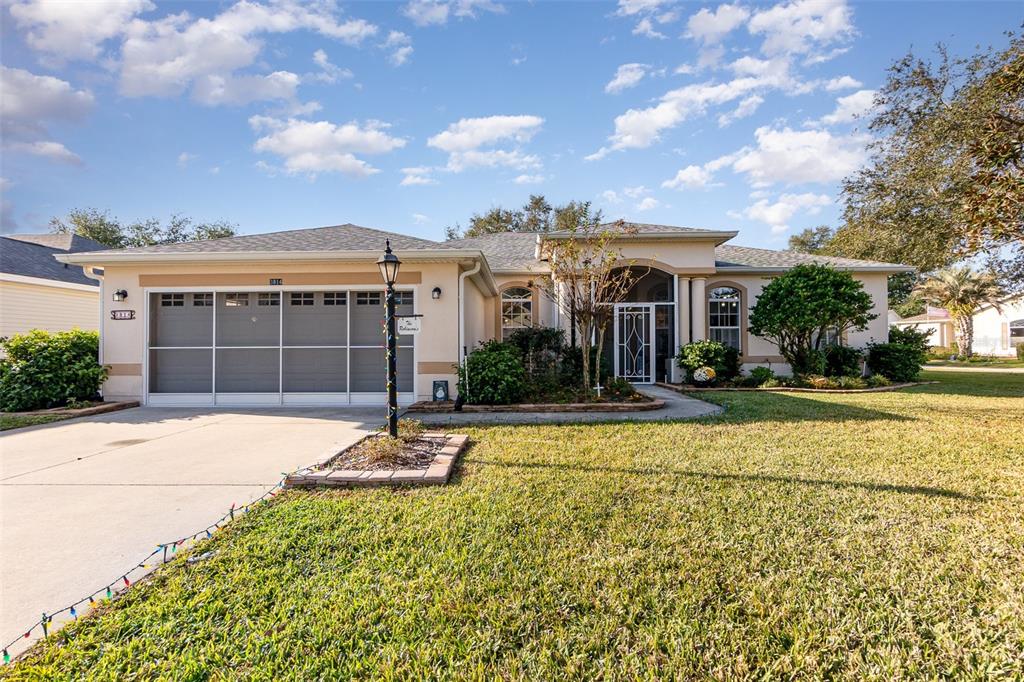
(724, 316)
(516, 310)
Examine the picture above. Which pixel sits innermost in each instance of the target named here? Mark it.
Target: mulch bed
(642, 405)
(417, 454)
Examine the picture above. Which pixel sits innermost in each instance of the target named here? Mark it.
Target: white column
(682, 321)
(700, 304)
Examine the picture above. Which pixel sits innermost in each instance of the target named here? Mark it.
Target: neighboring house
(37, 292)
(295, 317)
(996, 332)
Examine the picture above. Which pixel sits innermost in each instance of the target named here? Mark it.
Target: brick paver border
(438, 473)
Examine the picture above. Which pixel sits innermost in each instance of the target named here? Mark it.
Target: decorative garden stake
(389, 265)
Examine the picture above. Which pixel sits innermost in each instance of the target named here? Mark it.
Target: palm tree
(961, 292)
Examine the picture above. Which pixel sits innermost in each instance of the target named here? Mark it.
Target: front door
(634, 342)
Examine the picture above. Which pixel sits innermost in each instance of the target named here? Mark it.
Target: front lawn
(844, 535)
(978, 362)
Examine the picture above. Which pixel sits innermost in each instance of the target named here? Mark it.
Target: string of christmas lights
(121, 584)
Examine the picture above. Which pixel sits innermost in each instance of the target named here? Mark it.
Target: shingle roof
(727, 255)
(504, 250)
(645, 228)
(30, 256)
(346, 237)
(69, 243)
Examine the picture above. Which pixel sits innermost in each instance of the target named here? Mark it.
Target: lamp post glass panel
(389, 264)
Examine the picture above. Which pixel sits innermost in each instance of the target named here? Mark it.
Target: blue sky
(412, 116)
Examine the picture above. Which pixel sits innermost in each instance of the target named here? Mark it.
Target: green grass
(844, 535)
(16, 421)
(980, 361)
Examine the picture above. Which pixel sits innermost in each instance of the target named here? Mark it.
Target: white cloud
(48, 149)
(684, 70)
(437, 12)
(29, 102)
(710, 27)
(168, 56)
(329, 73)
(778, 214)
(795, 157)
(184, 159)
(691, 177)
(801, 26)
(626, 76)
(464, 141)
(420, 219)
(648, 203)
(745, 108)
(417, 175)
(74, 30)
(635, 192)
(645, 27)
(842, 83)
(312, 147)
(400, 45)
(611, 196)
(850, 107)
(529, 179)
(628, 8)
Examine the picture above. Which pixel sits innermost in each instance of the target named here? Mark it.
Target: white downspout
(462, 310)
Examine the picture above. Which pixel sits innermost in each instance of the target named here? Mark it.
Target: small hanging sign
(409, 324)
(122, 314)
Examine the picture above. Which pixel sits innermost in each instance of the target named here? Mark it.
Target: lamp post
(389, 264)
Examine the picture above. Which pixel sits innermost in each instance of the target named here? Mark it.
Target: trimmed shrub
(725, 360)
(842, 361)
(895, 361)
(493, 374)
(1020, 351)
(911, 337)
(540, 350)
(761, 375)
(877, 381)
(618, 388)
(50, 369)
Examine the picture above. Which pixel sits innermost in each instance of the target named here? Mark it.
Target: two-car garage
(272, 347)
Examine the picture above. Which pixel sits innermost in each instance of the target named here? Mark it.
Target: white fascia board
(43, 282)
(719, 237)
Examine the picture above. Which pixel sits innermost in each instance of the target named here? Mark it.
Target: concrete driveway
(85, 500)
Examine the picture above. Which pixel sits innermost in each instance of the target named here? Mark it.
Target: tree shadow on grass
(926, 491)
(980, 383)
(792, 407)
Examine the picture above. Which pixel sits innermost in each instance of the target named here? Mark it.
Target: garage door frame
(280, 398)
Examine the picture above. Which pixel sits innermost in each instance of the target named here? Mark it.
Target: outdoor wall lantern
(436, 293)
(389, 264)
(120, 295)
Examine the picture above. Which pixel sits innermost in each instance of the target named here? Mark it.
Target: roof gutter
(113, 256)
(462, 309)
(719, 237)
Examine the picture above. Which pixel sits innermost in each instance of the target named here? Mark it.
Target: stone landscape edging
(444, 408)
(793, 389)
(102, 408)
(437, 473)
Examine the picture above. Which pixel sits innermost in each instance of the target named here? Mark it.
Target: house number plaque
(122, 314)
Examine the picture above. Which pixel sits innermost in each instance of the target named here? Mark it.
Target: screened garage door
(273, 348)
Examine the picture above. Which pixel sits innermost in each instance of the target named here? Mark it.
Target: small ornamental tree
(795, 311)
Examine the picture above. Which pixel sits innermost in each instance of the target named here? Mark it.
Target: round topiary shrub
(493, 374)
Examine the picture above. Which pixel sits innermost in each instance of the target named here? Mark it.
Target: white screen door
(634, 342)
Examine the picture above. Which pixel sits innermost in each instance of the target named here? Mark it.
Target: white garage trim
(280, 397)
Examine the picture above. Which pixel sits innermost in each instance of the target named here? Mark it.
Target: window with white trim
(202, 300)
(516, 310)
(1017, 332)
(334, 298)
(172, 300)
(724, 316)
(367, 298)
(302, 298)
(267, 298)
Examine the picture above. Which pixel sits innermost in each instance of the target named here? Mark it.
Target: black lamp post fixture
(389, 264)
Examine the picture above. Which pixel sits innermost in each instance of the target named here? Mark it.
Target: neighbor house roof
(728, 256)
(32, 255)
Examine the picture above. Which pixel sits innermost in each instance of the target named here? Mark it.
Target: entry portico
(294, 317)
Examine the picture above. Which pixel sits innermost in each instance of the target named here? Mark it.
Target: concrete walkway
(676, 407)
(85, 500)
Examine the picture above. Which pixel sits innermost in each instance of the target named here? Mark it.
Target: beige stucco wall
(992, 329)
(24, 307)
(124, 340)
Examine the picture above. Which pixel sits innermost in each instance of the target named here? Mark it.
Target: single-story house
(295, 317)
(37, 292)
(997, 331)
